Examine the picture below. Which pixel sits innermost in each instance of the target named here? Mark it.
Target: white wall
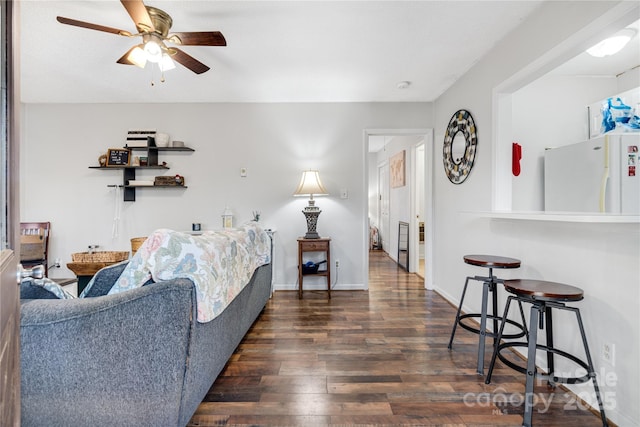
(275, 142)
(600, 258)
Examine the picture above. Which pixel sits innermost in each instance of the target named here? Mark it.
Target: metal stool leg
(486, 287)
(494, 301)
(455, 324)
(498, 338)
(524, 322)
(550, 359)
(592, 373)
(531, 365)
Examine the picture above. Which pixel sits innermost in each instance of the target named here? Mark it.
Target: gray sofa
(137, 358)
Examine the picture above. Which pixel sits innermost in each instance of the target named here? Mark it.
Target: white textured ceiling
(278, 51)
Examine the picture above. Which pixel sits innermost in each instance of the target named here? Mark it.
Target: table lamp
(310, 185)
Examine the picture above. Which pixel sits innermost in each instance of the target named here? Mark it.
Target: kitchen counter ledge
(559, 216)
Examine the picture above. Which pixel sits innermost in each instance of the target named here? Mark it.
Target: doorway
(410, 202)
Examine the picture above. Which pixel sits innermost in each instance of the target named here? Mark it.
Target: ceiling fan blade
(91, 26)
(188, 61)
(199, 38)
(138, 12)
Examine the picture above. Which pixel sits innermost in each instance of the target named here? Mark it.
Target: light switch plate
(344, 194)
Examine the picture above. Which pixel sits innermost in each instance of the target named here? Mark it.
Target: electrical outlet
(337, 263)
(609, 353)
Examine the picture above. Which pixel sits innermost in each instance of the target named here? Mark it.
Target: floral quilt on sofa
(220, 263)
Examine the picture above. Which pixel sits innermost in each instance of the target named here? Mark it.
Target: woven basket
(136, 242)
(100, 256)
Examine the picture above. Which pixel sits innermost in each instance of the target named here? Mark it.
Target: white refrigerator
(597, 175)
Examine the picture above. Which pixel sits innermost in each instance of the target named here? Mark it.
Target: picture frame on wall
(397, 169)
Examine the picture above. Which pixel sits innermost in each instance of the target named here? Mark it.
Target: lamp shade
(310, 184)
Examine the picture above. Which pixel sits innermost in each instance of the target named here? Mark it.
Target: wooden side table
(322, 244)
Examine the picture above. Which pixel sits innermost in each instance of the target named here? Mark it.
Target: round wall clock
(459, 149)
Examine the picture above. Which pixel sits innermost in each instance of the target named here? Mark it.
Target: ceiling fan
(153, 26)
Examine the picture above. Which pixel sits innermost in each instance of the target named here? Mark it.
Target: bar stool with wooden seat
(543, 297)
(488, 286)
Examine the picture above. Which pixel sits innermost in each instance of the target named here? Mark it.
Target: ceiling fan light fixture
(166, 63)
(153, 51)
(612, 45)
(138, 57)
(153, 26)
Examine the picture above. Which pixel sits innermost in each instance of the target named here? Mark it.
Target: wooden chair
(34, 244)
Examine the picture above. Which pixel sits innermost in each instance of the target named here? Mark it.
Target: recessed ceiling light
(613, 44)
(403, 85)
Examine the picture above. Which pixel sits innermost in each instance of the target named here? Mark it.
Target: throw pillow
(101, 283)
(44, 288)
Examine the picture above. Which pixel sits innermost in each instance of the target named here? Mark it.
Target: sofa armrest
(114, 360)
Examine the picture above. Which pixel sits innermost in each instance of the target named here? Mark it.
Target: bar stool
(543, 297)
(489, 286)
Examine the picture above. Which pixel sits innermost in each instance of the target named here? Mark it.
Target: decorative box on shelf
(169, 180)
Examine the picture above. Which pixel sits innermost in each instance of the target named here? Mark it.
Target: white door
(383, 205)
(9, 227)
(418, 205)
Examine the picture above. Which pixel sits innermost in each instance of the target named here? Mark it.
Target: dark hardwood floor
(371, 358)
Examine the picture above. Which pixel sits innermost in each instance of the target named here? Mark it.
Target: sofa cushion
(44, 288)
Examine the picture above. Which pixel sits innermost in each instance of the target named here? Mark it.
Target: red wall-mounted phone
(516, 155)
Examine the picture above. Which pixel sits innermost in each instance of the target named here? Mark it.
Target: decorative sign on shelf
(118, 157)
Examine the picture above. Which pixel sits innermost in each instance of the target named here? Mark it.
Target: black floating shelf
(147, 186)
(129, 171)
(129, 167)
